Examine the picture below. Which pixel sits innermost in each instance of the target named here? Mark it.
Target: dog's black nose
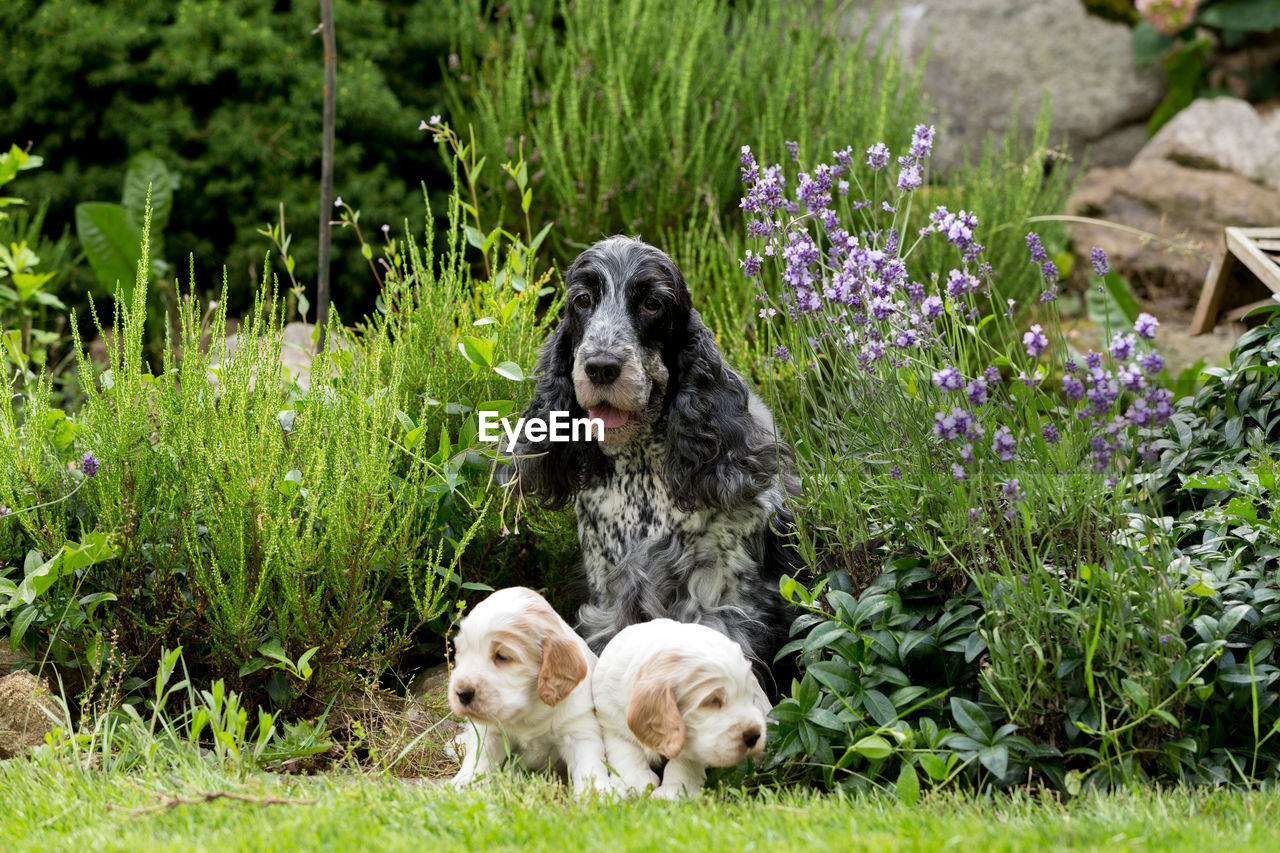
(602, 371)
(751, 737)
(465, 696)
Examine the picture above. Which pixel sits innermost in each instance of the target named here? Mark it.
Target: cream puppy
(521, 680)
(680, 692)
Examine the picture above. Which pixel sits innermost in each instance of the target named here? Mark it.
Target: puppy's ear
(653, 716)
(563, 668)
(717, 456)
(547, 471)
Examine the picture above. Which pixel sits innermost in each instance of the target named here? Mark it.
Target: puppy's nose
(751, 737)
(465, 696)
(602, 371)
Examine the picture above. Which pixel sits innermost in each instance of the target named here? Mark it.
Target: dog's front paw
(668, 792)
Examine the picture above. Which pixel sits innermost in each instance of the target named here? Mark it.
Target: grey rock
(1226, 134)
(1185, 208)
(987, 55)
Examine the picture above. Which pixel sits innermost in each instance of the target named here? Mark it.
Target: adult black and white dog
(681, 507)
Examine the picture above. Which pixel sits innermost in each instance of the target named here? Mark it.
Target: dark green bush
(228, 95)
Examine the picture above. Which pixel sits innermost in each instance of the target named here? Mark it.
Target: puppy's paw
(668, 792)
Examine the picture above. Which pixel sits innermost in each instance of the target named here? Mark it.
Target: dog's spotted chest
(629, 507)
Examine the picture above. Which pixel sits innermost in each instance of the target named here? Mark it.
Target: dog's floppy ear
(548, 471)
(715, 456)
(563, 668)
(653, 715)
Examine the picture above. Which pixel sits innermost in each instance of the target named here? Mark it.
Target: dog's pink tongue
(611, 417)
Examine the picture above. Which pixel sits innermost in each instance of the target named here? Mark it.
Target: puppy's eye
(499, 657)
(713, 703)
(582, 301)
(651, 305)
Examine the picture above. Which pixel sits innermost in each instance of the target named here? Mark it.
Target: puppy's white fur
(522, 681)
(676, 691)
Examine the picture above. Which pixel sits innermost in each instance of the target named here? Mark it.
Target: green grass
(50, 807)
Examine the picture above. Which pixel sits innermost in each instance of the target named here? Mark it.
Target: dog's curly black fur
(681, 509)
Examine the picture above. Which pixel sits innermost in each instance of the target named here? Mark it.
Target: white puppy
(521, 678)
(676, 691)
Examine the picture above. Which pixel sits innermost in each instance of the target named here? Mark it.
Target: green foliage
(112, 233)
(32, 267)
(1188, 44)
(228, 95)
(636, 131)
(294, 534)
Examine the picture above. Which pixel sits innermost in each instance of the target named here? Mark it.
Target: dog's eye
(714, 703)
(582, 301)
(499, 657)
(651, 305)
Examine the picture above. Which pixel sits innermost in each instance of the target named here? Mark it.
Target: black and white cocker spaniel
(681, 507)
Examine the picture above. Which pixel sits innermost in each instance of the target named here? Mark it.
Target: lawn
(50, 807)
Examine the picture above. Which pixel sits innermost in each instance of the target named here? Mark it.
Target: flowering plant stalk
(918, 407)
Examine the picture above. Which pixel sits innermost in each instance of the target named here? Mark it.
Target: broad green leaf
(112, 243)
(908, 784)
(476, 350)
(1257, 16)
(148, 170)
(873, 747)
(510, 370)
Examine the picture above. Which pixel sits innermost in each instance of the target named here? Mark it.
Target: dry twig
(171, 801)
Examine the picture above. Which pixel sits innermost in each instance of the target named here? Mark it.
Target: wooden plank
(1236, 314)
(1252, 257)
(1260, 233)
(1268, 245)
(1215, 284)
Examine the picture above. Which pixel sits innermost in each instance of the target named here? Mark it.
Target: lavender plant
(920, 407)
(932, 410)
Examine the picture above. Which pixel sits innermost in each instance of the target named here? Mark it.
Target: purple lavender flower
(1070, 365)
(945, 426)
(1038, 253)
(959, 283)
(966, 453)
(1145, 326)
(4, 510)
(922, 141)
(1152, 362)
(1050, 433)
(878, 156)
(1099, 260)
(89, 464)
(750, 264)
(1093, 360)
(1050, 270)
(1013, 491)
(749, 167)
(844, 157)
(992, 375)
(794, 148)
(948, 379)
(976, 391)
(843, 187)
(910, 178)
(1122, 346)
(932, 307)
(1035, 341)
(782, 354)
(1003, 444)
(895, 473)
(974, 513)
(957, 471)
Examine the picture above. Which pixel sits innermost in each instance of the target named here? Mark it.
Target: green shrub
(636, 111)
(292, 537)
(228, 96)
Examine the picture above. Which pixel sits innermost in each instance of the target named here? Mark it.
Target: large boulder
(1185, 207)
(24, 713)
(1224, 134)
(987, 55)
